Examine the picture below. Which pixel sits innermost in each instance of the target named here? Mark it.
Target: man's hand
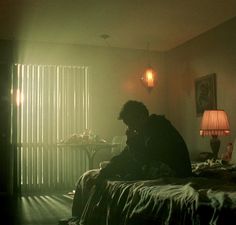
(130, 133)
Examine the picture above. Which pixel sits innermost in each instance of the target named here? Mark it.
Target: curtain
(52, 103)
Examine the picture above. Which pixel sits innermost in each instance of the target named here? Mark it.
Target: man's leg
(83, 191)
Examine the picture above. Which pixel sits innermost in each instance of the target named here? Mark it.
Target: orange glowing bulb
(150, 78)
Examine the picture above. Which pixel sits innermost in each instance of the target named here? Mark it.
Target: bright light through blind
(52, 104)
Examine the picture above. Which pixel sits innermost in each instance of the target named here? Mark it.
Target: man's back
(165, 143)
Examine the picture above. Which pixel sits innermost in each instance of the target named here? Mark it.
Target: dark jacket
(159, 141)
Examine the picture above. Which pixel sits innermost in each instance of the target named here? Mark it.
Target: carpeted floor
(43, 209)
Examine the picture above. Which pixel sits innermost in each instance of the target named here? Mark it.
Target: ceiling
(164, 24)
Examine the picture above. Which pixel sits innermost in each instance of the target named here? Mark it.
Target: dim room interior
(67, 67)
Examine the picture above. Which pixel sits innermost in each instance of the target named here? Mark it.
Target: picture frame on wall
(205, 93)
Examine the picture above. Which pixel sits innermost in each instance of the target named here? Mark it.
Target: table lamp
(214, 123)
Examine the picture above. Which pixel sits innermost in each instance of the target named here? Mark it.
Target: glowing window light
(19, 97)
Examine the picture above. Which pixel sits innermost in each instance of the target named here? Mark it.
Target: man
(154, 149)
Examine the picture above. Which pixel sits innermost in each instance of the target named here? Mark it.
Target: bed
(208, 197)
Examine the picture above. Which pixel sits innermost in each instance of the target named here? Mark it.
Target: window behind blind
(52, 103)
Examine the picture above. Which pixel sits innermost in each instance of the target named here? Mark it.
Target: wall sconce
(214, 123)
(150, 76)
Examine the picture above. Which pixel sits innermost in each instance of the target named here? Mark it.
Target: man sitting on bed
(152, 141)
(154, 149)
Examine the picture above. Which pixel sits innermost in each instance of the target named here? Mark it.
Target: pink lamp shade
(214, 123)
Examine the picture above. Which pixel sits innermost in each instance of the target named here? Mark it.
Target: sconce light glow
(149, 78)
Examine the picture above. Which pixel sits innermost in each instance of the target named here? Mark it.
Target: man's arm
(116, 166)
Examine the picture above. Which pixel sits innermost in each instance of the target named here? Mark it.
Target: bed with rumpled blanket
(209, 197)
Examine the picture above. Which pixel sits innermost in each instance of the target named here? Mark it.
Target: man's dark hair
(133, 108)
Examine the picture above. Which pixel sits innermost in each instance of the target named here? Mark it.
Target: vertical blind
(52, 104)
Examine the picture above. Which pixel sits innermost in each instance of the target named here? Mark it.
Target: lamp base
(215, 146)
